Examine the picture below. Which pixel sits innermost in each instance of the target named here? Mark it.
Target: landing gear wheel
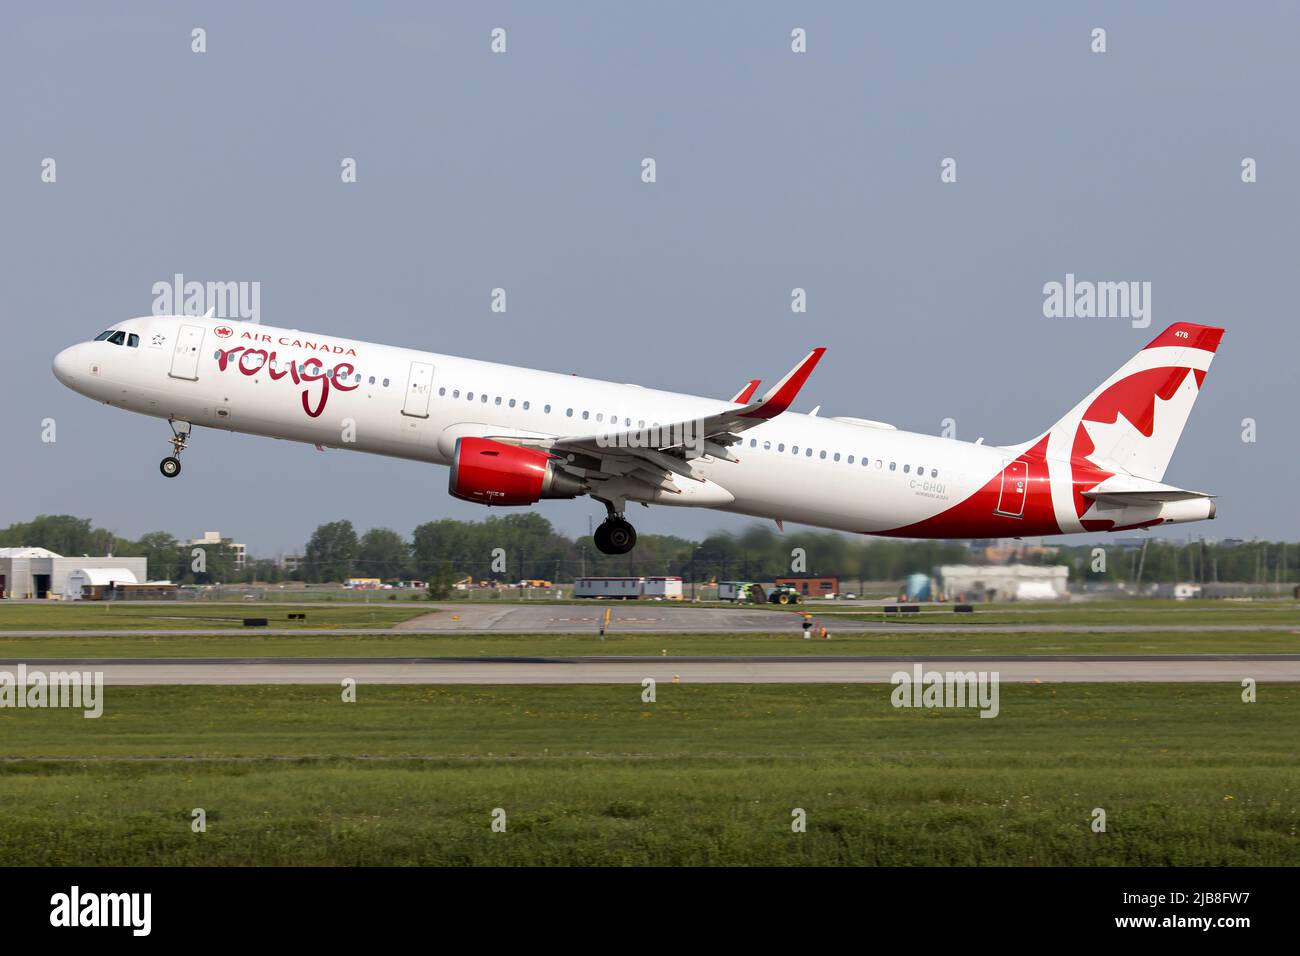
(615, 536)
(171, 466)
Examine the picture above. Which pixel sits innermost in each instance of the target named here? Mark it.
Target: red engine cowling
(494, 473)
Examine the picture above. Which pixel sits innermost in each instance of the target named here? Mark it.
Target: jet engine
(494, 473)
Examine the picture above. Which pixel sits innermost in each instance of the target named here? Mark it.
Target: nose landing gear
(614, 535)
(171, 466)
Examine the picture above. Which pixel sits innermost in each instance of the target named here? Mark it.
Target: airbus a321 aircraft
(513, 436)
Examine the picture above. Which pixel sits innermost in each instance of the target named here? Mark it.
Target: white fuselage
(411, 404)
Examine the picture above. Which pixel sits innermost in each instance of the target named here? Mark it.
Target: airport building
(1003, 582)
(213, 539)
(811, 585)
(38, 573)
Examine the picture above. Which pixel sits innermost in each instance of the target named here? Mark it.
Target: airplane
(513, 436)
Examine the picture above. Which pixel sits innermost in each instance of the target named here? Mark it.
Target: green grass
(789, 642)
(172, 616)
(1187, 774)
(1171, 613)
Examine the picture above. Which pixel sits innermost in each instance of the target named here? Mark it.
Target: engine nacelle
(494, 473)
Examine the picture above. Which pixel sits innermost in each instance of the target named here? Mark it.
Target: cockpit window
(117, 338)
(103, 335)
(133, 341)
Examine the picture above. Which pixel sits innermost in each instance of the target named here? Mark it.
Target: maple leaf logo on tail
(1130, 424)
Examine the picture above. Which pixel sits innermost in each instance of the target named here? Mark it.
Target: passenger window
(469, 396)
(823, 455)
(893, 466)
(133, 341)
(117, 338)
(794, 449)
(483, 398)
(907, 469)
(808, 452)
(837, 456)
(441, 391)
(455, 392)
(767, 446)
(586, 415)
(641, 423)
(753, 443)
(934, 472)
(600, 416)
(546, 410)
(568, 413)
(850, 459)
(385, 383)
(498, 401)
(512, 403)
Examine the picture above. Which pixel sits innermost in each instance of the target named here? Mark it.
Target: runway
(704, 670)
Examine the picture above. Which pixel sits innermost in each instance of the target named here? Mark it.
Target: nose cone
(65, 365)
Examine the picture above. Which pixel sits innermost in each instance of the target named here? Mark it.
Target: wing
(656, 457)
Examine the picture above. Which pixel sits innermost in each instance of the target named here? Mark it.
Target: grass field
(1187, 774)
(1262, 613)
(789, 642)
(171, 616)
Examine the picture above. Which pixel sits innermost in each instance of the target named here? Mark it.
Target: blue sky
(522, 171)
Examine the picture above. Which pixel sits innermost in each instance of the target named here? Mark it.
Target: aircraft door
(185, 360)
(1015, 480)
(419, 388)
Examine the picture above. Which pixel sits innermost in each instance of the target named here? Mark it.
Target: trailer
(662, 589)
(737, 591)
(626, 589)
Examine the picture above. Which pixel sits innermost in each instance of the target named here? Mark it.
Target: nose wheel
(171, 466)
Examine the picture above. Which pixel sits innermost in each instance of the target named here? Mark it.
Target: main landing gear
(171, 466)
(615, 535)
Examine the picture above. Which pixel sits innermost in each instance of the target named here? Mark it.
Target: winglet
(781, 395)
(747, 393)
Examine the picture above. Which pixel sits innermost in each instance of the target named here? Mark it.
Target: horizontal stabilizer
(1143, 497)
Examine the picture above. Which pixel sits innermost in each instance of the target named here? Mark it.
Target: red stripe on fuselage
(977, 517)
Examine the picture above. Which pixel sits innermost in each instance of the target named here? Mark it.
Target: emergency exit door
(185, 360)
(419, 387)
(1011, 499)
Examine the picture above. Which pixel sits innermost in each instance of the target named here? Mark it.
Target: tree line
(526, 546)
